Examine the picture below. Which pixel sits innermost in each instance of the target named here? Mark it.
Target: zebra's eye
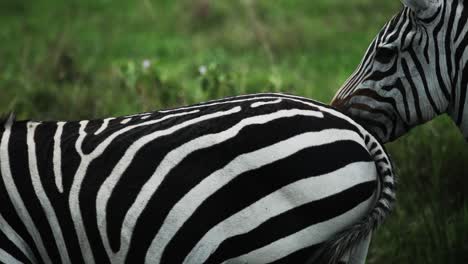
(385, 54)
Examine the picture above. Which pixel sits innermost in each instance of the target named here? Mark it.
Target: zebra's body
(414, 70)
(264, 178)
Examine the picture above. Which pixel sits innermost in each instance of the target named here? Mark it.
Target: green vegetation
(94, 58)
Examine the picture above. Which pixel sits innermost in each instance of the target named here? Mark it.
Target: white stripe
(389, 179)
(7, 258)
(389, 192)
(136, 115)
(14, 195)
(16, 239)
(246, 162)
(258, 104)
(57, 156)
(73, 200)
(306, 237)
(41, 194)
(104, 125)
(125, 121)
(147, 190)
(289, 197)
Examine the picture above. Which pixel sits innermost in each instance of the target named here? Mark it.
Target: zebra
(262, 178)
(414, 70)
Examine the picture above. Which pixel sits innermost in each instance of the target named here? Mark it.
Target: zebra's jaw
(464, 127)
(379, 118)
(458, 106)
(464, 124)
(464, 130)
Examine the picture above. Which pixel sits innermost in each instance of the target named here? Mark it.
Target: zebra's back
(264, 178)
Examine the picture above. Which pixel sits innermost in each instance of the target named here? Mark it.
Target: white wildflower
(146, 64)
(202, 69)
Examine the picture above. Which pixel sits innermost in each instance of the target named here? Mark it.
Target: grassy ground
(92, 58)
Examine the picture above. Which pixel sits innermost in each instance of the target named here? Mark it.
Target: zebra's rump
(255, 179)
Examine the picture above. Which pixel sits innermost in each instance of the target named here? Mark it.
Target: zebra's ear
(423, 8)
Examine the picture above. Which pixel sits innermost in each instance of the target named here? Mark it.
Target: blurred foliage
(95, 58)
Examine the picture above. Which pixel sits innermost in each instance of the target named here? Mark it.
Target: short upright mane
(4, 118)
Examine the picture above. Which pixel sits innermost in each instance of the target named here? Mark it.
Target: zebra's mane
(4, 118)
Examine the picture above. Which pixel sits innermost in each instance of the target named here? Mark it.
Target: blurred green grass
(86, 59)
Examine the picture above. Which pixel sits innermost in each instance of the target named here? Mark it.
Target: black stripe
(380, 75)
(70, 158)
(300, 256)
(416, 104)
(426, 46)
(10, 248)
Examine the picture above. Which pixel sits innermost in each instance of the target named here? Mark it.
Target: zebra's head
(415, 69)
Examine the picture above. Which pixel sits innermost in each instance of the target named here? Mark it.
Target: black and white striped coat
(415, 69)
(266, 178)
